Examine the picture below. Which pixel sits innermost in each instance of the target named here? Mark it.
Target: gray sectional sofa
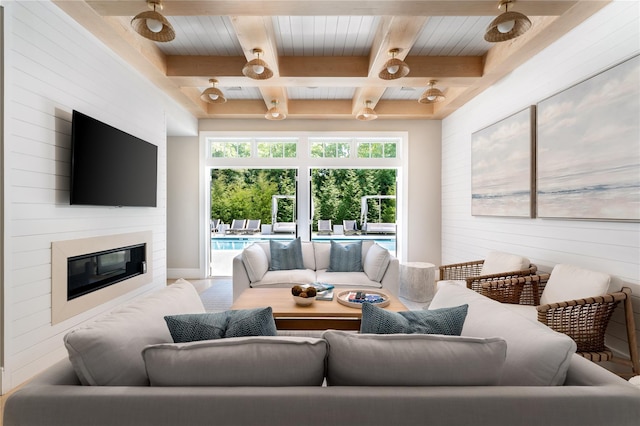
(502, 370)
(252, 268)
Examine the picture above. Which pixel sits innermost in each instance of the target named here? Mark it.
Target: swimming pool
(236, 244)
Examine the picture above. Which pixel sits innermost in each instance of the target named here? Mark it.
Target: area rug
(218, 297)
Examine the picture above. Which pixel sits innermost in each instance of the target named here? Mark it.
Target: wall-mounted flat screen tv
(110, 167)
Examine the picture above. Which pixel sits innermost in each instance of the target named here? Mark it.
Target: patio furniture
(350, 227)
(237, 226)
(574, 301)
(284, 227)
(252, 226)
(214, 225)
(324, 227)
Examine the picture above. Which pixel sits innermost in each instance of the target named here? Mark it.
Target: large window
(291, 179)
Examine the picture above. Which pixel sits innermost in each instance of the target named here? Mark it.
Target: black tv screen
(110, 167)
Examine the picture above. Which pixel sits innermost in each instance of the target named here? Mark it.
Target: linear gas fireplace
(92, 271)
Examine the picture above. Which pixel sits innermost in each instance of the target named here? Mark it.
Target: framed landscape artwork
(588, 141)
(502, 167)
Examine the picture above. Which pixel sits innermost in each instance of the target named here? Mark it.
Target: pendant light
(394, 68)
(508, 25)
(257, 68)
(274, 112)
(431, 95)
(213, 95)
(152, 25)
(367, 113)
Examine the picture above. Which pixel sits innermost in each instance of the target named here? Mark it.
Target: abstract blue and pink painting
(588, 142)
(502, 167)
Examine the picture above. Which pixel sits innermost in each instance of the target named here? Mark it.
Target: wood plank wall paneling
(604, 40)
(52, 67)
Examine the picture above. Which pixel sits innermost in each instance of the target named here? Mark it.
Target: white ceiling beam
(331, 7)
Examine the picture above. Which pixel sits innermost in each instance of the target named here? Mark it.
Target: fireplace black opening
(90, 272)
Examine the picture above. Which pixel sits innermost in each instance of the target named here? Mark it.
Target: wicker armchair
(472, 273)
(585, 320)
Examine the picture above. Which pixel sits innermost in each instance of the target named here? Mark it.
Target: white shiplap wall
(52, 67)
(607, 38)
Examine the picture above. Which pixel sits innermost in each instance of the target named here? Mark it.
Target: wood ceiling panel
(326, 55)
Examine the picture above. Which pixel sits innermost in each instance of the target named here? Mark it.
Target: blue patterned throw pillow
(345, 257)
(251, 322)
(193, 327)
(448, 321)
(286, 256)
(209, 326)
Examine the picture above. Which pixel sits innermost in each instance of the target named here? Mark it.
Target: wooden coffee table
(320, 315)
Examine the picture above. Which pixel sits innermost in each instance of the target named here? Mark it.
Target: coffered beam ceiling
(461, 77)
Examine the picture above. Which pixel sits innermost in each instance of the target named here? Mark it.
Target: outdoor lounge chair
(284, 227)
(379, 228)
(324, 227)
(577, 302)
(237, 226)
(214, 225)
(252, 226)
(350, 227)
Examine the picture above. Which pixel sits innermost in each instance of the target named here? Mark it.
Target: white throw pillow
(255, 262)
(536, 355)
(238, 361)
(376, 262)
(497, 262)
(108, 351)
(413, 360)
(569, 282)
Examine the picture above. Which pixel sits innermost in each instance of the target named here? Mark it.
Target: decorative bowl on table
(303, 301)
(303, 295)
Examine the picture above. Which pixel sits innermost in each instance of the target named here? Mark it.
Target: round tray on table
(343, 298)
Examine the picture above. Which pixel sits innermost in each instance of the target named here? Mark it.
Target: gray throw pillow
(194, 327)
(345, 257)
(286, 256)
(251, 322)
(209, 326)
(447, 321)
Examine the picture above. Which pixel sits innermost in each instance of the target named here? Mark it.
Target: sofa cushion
(255, 262)
(536, 355)
(413, 360)
(345, 257)
(208, 326)
(376, 262)
(447, 321)
(497, 262)
(351, 279)
(286, 256)
(569, 282)
(286, 278)
(107, 351)
(241, 361)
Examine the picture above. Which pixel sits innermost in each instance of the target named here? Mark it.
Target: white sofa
(251, 268)
(140, 378)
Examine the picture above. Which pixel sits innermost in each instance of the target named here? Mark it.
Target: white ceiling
(326, 54)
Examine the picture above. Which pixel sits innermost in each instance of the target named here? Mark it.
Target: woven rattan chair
(584, 319)
(501, 266)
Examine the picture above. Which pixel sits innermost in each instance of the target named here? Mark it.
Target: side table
(417, 281)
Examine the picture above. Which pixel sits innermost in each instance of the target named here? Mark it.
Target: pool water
(241, 243)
